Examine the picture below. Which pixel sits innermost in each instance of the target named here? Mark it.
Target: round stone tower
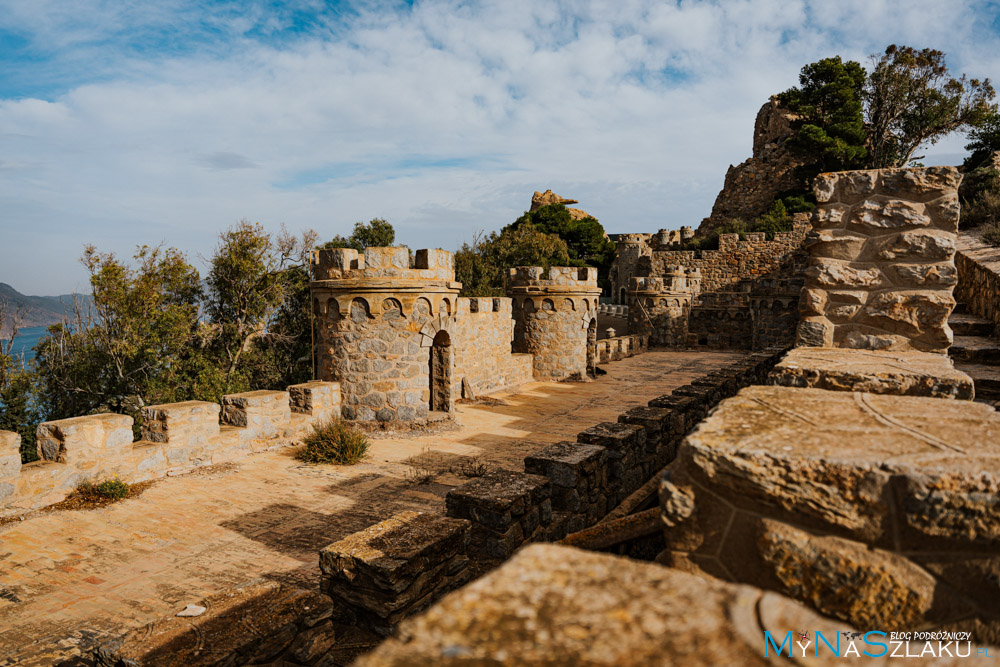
(380, 330)
(660, 307)
(555, 318)
(628, 249)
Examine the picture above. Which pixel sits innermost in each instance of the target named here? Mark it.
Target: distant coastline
(25, 341)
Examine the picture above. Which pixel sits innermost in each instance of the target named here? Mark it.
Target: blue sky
(125, 122)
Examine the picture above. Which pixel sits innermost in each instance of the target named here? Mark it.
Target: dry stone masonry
(878, 510)
(882, 266)
(175, 438)
(555, 315)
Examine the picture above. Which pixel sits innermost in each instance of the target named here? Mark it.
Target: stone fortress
(838, 474)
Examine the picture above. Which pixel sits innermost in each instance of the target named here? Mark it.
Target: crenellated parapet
(401, 343)
(659, 307)
(174, 438)
(555, 318)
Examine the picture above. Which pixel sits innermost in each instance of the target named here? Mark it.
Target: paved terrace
(69, 579)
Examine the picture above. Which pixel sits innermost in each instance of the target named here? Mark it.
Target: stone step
(960, 308)
(976, 349)
(986, 379)
(964, 324)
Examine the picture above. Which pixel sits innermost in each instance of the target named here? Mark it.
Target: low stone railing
(176, 438)
(612, 309)
(978, 285)
(620, 347)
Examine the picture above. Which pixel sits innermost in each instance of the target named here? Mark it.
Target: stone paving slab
(904, 373)
(69, 580)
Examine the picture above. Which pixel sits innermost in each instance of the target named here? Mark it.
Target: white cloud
(443, 118)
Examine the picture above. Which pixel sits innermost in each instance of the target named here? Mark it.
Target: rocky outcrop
(540, 199)
(751, 187)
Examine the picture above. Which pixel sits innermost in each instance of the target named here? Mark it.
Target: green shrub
(334, 441)
(991, 234)
(110, 489)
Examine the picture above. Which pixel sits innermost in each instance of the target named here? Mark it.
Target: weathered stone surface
(897, 245)
(843, 500)
(815, 332)
(396, 567)
(908, 373)
(556, 605)
(555, 319)
(839, 275)
(253, 623)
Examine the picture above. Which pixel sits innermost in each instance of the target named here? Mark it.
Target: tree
(912, 100)
(18, 411)
(585, 238)
(376, 233)
(829, 130)
(123, 353)
(483, 266)
(255, 283)
(985, 140)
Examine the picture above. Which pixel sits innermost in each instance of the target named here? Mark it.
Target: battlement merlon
(382, 269)
(579, 280)
(677, 280)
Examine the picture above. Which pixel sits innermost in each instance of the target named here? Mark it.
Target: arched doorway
(441, 372)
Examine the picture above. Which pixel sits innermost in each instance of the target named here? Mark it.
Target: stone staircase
(976, 351)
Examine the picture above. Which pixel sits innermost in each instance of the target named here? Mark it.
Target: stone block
(619, 438)
(657, 422)
(317, 399)
(566, 464)
(90, 440)
(866, 506)
(263, 413)
(903, 373)
(599, 610)
(497, 500)
(181, 424)
(396, 567)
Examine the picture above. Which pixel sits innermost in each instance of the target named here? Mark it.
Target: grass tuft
(334, 441)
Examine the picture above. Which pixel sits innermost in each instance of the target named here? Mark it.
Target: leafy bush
(110, 489)
(980, 198)
(991, 234)
(334, 441)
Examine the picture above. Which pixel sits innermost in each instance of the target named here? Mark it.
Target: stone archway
(442, 365)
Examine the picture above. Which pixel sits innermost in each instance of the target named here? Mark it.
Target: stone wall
(659, 307)
(400, 341)
(882, 266)
(176, 438)
(751, 187)
(877, 510)
(555, 315)
(628, 249)
(978, 266)
(377, 323)
(737, 260)
(482, 334)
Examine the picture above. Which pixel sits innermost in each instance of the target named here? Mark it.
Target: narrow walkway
(69, 579)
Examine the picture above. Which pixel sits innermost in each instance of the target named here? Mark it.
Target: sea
(24, 342)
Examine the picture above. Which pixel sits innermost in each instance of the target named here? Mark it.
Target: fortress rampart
(176, 438)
